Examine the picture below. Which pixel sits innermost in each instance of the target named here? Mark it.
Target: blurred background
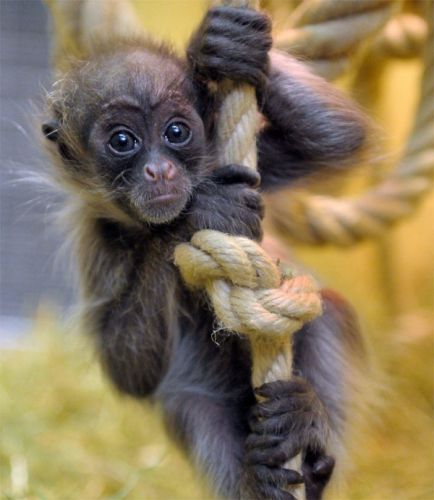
(63, 432)
(28, 243)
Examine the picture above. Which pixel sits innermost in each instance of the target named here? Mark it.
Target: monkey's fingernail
(294, 477)
(324, 467)
(264, 393)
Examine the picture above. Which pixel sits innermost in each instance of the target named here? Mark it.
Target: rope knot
(245, 286)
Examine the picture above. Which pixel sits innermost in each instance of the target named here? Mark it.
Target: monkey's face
(136, 138)
(149, 158)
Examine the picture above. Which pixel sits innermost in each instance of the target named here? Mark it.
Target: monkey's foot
(262, 482)
(317, 470)
(290, 420)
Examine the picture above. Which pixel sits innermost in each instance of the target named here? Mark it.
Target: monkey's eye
(177, 133)
(123, 142)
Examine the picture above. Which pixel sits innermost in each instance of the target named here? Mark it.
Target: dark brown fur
(154, 336)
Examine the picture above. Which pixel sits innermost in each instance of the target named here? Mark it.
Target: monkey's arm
(227, 201)
(310, 125)
(128, 303)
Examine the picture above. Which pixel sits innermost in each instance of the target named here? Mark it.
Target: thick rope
(244, 286)
(317, 219)
(325, 33)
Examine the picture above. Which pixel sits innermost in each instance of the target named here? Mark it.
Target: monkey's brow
(123, 102)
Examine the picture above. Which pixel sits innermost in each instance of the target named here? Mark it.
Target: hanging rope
(245, 287)
(325, 33)
(222, 263)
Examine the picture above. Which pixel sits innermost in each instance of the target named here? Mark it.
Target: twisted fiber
(326, 32)
(322, 219)
(245, 286)
(237, 126)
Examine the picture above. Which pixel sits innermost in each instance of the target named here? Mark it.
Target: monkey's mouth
(160, 208)
(163, 199)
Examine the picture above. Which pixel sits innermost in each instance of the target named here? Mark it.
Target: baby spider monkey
(132, 134)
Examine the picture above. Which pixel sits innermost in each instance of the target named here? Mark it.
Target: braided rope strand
(245, 287)
(325, 33)
(316, 219)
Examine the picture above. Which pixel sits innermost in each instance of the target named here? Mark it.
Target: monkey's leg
(205, 398)
(308, 413)
(329, 355)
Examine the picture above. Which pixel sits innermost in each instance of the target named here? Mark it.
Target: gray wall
(30, 270)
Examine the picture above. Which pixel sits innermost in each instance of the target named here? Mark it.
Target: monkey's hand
(232, 43)
(228, 201)
(289, 420)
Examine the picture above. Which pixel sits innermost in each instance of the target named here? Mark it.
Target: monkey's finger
(285, 495)
(240, 16)
(275, 407)
(323, 468)
(218, 67)
(319, 464)
(273, 457)
(275, 450)
(270, 492)
(282, 388)
(223, 58)
(277, 476)
(280, 494)
(318, 474)
(281, 424)
(238, 43)
(236, 174)
(259, 441)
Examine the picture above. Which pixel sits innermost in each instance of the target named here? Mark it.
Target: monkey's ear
(51, 130)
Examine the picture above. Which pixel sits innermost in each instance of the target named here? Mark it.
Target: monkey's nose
(164, 170)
